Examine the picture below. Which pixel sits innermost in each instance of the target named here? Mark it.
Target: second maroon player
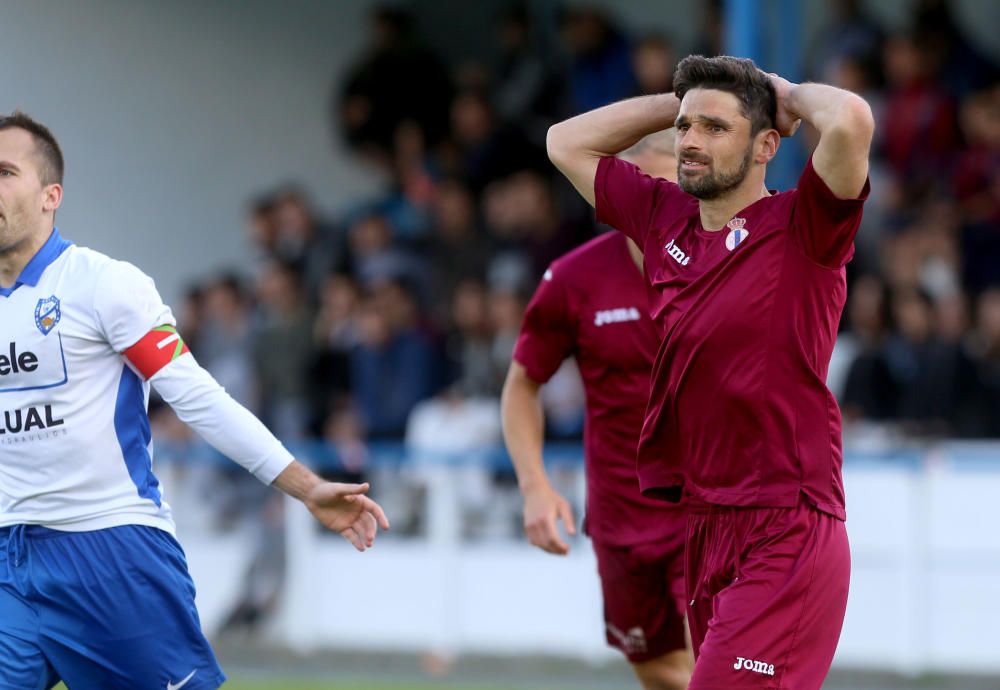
(592, 304)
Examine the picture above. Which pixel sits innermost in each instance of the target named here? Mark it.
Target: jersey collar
(32, 272)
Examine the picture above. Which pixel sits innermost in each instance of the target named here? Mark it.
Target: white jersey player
(94, 589)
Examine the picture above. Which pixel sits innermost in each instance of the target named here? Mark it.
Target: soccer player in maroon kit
(748, 289)
(593, 304)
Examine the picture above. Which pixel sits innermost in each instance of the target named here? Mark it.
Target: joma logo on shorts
(755, 666)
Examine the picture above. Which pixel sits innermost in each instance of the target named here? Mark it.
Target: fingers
(351, 535)
(376, 510)
(350, 489)
(545, 535)
(566, 515)
(367, 528)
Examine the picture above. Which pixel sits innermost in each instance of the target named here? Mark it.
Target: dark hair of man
(46, 146)
(738, 76)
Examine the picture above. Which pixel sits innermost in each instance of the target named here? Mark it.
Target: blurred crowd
(395, 321)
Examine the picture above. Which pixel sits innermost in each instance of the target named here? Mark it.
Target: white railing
(925, 594)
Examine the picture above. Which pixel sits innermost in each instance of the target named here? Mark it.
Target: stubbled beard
(712, 186)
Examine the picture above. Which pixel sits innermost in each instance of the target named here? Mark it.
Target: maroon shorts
(767, 592)
(644, 598)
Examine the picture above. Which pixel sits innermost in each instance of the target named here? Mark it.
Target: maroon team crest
(737, 233)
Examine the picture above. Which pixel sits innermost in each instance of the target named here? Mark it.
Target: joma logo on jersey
(755, 666)
(616, 315)
(18, 421)
(677, 254)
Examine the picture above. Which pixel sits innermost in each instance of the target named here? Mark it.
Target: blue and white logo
(737, 233)
(47, 314)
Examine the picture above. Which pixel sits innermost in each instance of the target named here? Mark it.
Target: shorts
(767, 592)
(109, 609)
(644, 598)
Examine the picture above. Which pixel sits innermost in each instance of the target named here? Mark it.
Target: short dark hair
(51, 170)
(738, 76)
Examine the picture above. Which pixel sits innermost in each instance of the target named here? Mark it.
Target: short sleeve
(826, 224)
(128, 305)
(547, 333)
(629, 200)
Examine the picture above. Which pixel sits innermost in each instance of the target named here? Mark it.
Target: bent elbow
(555, 143)
(857, 117)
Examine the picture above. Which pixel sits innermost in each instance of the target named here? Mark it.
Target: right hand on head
(543, 507)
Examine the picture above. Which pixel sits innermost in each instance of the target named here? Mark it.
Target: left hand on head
(786, 122)
(344, 508)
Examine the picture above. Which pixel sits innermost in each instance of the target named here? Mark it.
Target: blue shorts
(110, 609)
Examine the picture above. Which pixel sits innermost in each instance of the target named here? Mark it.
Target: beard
(713, 185)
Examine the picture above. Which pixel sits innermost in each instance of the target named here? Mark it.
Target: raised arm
(845, 125)
(523, 432)
(576, 145)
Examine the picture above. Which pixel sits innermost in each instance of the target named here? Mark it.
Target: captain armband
(155, 350)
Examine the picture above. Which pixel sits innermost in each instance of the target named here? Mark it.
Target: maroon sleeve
(548, 332)
(627, 199)
(826, 224)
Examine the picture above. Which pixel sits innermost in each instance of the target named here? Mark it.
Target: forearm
(576, 145)
(201, 403)
(614, 128)
(827, 107)
(524, 428)
(297, 480)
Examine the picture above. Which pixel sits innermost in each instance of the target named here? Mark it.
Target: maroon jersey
(739, 413)
(593, 304)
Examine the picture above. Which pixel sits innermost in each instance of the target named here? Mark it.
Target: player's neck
(14, 258)
(715, 213)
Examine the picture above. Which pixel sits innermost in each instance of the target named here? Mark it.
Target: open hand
(786, 121)
(542, 509)
(344, 508)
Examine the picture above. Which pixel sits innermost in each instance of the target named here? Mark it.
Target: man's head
(654, 154)
(725, 126)
(31, 173)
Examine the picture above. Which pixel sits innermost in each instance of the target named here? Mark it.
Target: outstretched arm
(845, 125)
(204, 405)
(576, 145)
(523, 431)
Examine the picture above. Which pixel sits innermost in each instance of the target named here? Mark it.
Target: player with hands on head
(748, 286)
(94, 588)
(592, 305)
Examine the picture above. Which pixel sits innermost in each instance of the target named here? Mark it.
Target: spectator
(528, 90)
(394, 366)
(488, 150)
(654, 61)
(918, 122)
(398, 79)
(313, 248)
(851, 37)
(869, 391)
(226, 341)
(283, 351)
(458, 246)
(600, 69)
(469, 346)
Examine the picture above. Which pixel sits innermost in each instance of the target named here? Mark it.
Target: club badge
(47, 314)
(737, 233)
